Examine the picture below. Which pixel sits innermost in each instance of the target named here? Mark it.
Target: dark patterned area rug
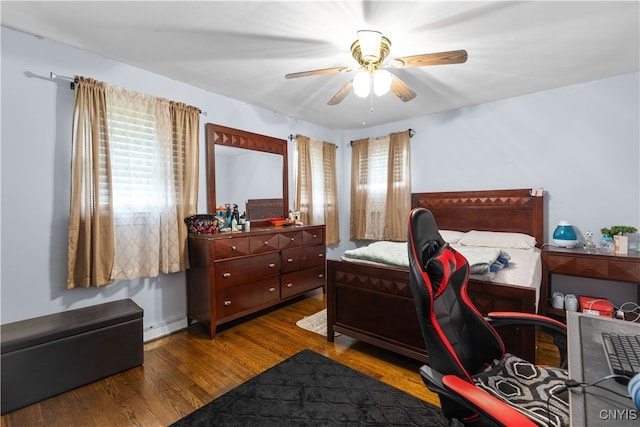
(311, 390)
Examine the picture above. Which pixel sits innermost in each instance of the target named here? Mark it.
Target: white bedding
(525, 265)
(480, 258)
(525, 269)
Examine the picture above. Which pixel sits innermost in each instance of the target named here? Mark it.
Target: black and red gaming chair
(477, 382)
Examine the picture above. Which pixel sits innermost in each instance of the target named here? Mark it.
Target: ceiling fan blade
(439, 58)
(339, 96)
(317, 72)
(401, 90)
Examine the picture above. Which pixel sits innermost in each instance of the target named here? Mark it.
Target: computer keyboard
(623, 353)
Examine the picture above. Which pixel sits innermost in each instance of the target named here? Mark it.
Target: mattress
(525, 269)
(525, 266)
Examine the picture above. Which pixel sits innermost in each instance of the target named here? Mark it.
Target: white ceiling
(243, 49)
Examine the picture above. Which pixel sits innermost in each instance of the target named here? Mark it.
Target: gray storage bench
(48, 355)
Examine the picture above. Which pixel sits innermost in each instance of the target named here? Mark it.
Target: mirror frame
(221, 135)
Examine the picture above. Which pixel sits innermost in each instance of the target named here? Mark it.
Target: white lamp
(362, 84)
(381, 82)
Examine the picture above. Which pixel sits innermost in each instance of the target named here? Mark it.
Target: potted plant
(618, 229)
(617, 233)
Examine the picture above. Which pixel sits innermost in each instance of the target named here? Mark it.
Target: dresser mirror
(247, 169)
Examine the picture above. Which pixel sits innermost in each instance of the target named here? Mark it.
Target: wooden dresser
(595, 264)
(235, 274)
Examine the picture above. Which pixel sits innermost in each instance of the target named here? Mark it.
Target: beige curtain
(152, 160)
(186, 136)
(359, 169)
(91, 232)
(316, 185)
(398, 187)
(380, 187)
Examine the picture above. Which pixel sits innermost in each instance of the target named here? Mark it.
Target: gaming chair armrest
(484, 403)
(511, 318)
(554, 328)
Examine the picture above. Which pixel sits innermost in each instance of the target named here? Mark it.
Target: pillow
(451, 236)
(497, 239)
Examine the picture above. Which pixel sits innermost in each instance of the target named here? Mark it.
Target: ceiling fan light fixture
(381, 82)
(370, 50)
(362, 84)
(370, 42)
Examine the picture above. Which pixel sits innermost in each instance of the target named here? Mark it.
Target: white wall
(580, 143)
(516, 143)
(35, 176)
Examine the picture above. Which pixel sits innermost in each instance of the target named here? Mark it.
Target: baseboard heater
(49, 355)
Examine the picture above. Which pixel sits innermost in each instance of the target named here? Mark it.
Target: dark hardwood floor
(186, 370)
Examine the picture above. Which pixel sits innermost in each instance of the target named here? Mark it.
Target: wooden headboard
(258, 209)
(515, 211)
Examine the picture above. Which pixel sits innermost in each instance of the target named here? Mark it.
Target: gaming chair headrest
(424, 234)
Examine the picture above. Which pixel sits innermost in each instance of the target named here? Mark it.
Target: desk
(594, 264)
(592, 406)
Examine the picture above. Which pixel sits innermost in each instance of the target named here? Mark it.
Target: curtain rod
(412, 132)
(292, 137)
(73, 82)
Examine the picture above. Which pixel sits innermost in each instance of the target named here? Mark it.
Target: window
(134, 182)
(380, 187)
(316, 186)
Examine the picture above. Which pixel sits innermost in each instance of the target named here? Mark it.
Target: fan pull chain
(371, 94)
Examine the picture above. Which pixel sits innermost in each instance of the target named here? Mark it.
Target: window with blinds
(140, 160)
(380, 187)
(132, 185)
(134, 160)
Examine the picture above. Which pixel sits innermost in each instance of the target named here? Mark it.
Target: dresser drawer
(301, 281)
(290, 239)
(264, 243)
(232, 301)
(313, 237)
(624, 271)
(239, 271)
(304, 257)
(561, 264)
(231, 247)
(595, 268)
(575, 266)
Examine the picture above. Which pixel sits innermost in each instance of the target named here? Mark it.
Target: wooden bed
(374, 303)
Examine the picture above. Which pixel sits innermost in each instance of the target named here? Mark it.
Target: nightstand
(594, 264)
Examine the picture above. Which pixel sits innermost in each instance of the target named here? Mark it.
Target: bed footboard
(375, 305)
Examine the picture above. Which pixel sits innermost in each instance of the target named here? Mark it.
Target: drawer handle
(289, 285)
(272, 265)
(227, 303)
(272, 289)
(290, 260)
(320, 255)
(315, 236)
(266, 243)
(293, 238)
(321, 275)
(226, 275)
(233, 248)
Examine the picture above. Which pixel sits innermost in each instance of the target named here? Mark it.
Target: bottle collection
(232, 218)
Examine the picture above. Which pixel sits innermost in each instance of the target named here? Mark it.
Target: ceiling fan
(370, 50)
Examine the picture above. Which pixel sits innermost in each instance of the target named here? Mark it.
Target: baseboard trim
(165, 327)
